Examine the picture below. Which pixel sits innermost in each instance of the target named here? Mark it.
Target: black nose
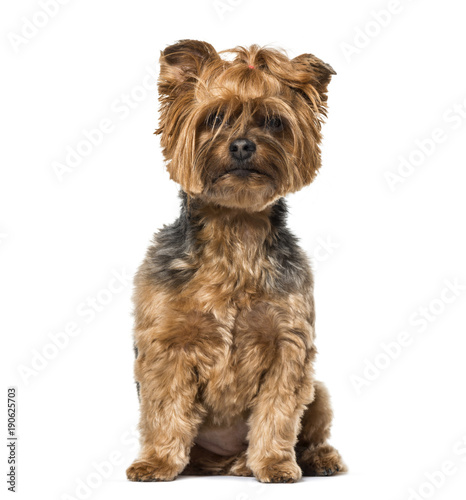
(242, 149)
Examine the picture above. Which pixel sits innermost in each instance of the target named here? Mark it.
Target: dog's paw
(154, 470)
(283, 472)
(240, 467)
(322, 460)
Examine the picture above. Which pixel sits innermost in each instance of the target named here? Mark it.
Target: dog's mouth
(241, 172)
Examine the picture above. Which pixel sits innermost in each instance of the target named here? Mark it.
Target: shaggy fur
(224, 309)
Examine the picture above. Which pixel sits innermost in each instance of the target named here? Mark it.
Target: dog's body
(224, 310)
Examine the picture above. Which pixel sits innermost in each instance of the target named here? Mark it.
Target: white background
(392, 250)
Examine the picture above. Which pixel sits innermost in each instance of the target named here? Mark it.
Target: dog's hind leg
(203, 462)
(314, 455)
(239, 466)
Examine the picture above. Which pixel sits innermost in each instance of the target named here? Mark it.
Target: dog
(224, 308)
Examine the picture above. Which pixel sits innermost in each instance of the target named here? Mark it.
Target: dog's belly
(224, 441)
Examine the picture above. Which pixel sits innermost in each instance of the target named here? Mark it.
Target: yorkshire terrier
(224, 308)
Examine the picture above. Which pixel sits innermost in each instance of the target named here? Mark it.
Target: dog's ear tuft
(320, 73)
(181, 63)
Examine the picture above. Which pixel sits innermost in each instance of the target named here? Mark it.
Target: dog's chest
(232, 267)
(231, 383)
(245, 351)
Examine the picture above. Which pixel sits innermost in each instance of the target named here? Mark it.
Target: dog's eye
(215, 119)
(274, 123)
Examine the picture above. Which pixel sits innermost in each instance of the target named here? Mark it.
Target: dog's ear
(181, 63)
(320, 73)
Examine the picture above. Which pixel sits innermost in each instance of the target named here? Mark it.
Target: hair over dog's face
(243, 132)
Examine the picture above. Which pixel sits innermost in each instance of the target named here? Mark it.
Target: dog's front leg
(170, 413)
(275, 418)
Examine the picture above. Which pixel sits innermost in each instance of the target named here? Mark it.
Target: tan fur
(225, 360)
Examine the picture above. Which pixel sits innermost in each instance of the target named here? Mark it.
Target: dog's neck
(222, 256)
(236, 254)
(233, 228)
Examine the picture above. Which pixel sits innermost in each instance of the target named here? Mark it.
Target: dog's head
(245, 131)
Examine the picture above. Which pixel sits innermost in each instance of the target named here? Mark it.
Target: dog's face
(241, 132)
